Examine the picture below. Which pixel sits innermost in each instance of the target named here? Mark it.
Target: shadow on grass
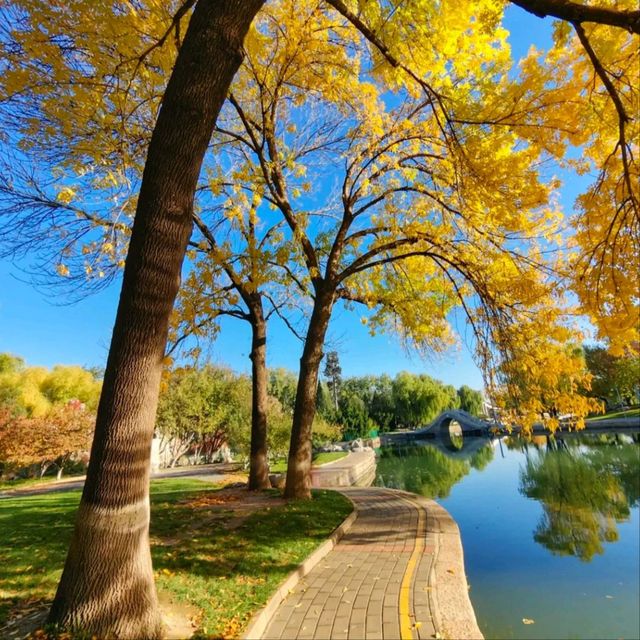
(226, 572)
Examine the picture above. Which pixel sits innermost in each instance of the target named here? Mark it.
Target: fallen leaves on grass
(206, 500)
(233, 628)
(249, 580)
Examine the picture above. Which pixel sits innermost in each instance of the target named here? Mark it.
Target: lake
(550, 528)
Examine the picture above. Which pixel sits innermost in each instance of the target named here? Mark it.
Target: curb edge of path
(453, 613)
(259, 622)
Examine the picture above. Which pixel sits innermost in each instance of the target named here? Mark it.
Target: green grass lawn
(24, 482)
(204, 554)
(328, 456)
(319, 458)
(627, 413)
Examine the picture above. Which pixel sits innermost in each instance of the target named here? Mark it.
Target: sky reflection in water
(549, 528)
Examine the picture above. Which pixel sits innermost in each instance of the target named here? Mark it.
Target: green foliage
(382, 403)
(283, 385)
(615, 379)
(324, 402)
(382, 407)
(353, 410)
(333, 373)
(470, 400)
(419, 399)
(202, 401)
(204, 408)
(426, 470)
(323, 431)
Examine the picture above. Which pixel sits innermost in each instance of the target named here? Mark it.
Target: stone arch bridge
(456, 432)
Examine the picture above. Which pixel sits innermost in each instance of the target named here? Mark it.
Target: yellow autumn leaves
(418, 187)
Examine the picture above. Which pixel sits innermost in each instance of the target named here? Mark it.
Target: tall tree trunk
(107, 586)
(258, 463)
(298, 485)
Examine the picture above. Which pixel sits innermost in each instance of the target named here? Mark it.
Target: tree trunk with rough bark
(298, 485)
(258, 463)
(107, 586)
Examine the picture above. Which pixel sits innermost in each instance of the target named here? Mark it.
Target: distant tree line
(202, 409)
(381, 403)
(47, 416)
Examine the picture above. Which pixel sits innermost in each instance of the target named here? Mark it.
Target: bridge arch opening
(452, 435)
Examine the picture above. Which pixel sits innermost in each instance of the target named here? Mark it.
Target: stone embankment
(357, 469)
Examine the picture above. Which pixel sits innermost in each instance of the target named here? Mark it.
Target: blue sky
(44, 330)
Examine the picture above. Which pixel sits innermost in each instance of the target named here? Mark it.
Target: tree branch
(577, 13)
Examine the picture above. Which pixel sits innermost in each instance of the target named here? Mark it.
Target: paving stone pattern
(354, 592)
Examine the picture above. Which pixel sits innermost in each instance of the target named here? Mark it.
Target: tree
(418, 399)
(326, 408)
(595, 73)
(368, 250)
(426, 470)
(10, 363)
(193, 408)
(46, 440)
(470, 400)
(333, 372)
(21, 389)
(582, 495)
(282, 385)
(155, 187)
(66, 383)
(382, 408)
(35, 391)
(236, 278)
(614, 378)
(107, 584)
(354, 413)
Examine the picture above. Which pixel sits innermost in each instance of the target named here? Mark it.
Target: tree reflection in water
(426, 470)
(586, 485)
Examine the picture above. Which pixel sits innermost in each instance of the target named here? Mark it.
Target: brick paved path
(373, 584)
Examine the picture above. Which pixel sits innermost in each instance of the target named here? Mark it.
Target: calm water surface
(550, 529)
